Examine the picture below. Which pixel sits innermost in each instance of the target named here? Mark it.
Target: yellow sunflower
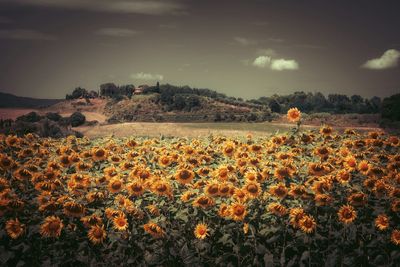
(51, 227)
(201, 231)
(296, 214)
(115, 185)
(347, 214)
(238, 211)
(382, 222)
(211, 189)
(136, 188)
(253, 189)
(293, 115)
(97, 234)
(278, 190)
(307, 224)
(203, 202)
(99, 154)
(184, 176)
(14, 228)
(395, 237)
(154, 230)
(120, 222)
(277, 209)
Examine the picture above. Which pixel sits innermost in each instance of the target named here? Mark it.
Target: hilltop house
(139, 90)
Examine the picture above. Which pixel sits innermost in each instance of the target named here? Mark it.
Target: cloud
(267, 52)
(284, 64)
(149, 7)
(168, 26)
(262, 61)
(147, 76)
(24, 34)
(116, 32)
(279, 64)
(389, 59)
(244, 41)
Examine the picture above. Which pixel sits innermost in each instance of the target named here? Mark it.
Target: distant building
(139, 90)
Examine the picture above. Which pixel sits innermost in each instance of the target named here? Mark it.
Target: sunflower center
(53, 226)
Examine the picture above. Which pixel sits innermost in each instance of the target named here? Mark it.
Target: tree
(391, 108)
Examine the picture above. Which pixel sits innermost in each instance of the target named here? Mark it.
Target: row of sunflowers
(301, 198)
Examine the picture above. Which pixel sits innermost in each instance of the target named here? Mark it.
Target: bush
(30, 117)
(391, 108)
(53, 116)
(77, 119)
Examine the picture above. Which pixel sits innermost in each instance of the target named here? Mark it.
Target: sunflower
(65, 161)
(307, 224)
(323, 152)
(238, 211)
(240, 195)
(250, 176)
(296, 214)
(224, 211)
(14, 228)
(293, 115)
(51, 227)
(91, 220)
(115, 185)
(23, 174)
(154, 230)
(110, 172)
(73, 209)
(363, 166)
(120, 222)
(350, 162)
(228, 149)
(296, 190)
(382, 222)
(347, 214)
(395, 237)
(97, 234)
(211, 189)
(99, 154)
(164, 161)
(162, 188)
(185, 197)
(343, 176)
(201, 231)
(224, 189)
(283, 172)
(222, 173)
(323, 199)
(82, 166)
(184, 176)
(277, 209)
(317, 169)
(322, 186)
(12, 140)
(278, 190)
(203, 171)
(203, 202)
(135, 188)
(253, 189)
(153, 209)
(6, 163)
(326, 130)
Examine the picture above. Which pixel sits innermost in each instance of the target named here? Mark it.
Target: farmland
(296, 197)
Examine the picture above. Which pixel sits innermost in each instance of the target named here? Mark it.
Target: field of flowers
(304, 198)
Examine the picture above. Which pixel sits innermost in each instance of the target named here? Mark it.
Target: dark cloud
(24, 34)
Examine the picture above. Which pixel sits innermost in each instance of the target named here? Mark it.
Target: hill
(13, 101)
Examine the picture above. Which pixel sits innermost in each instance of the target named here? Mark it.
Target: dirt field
(191, 129)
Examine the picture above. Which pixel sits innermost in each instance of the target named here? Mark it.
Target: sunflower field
(302, 198)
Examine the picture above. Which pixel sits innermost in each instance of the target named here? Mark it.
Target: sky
(245, 49)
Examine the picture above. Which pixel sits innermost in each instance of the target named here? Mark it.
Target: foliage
(302, 198)
(30, 117)
(391, 108)
(77, 119)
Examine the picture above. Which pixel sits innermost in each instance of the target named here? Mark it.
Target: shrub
(77, 119)
(53, 116)
(30, 117)
(391, 108)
